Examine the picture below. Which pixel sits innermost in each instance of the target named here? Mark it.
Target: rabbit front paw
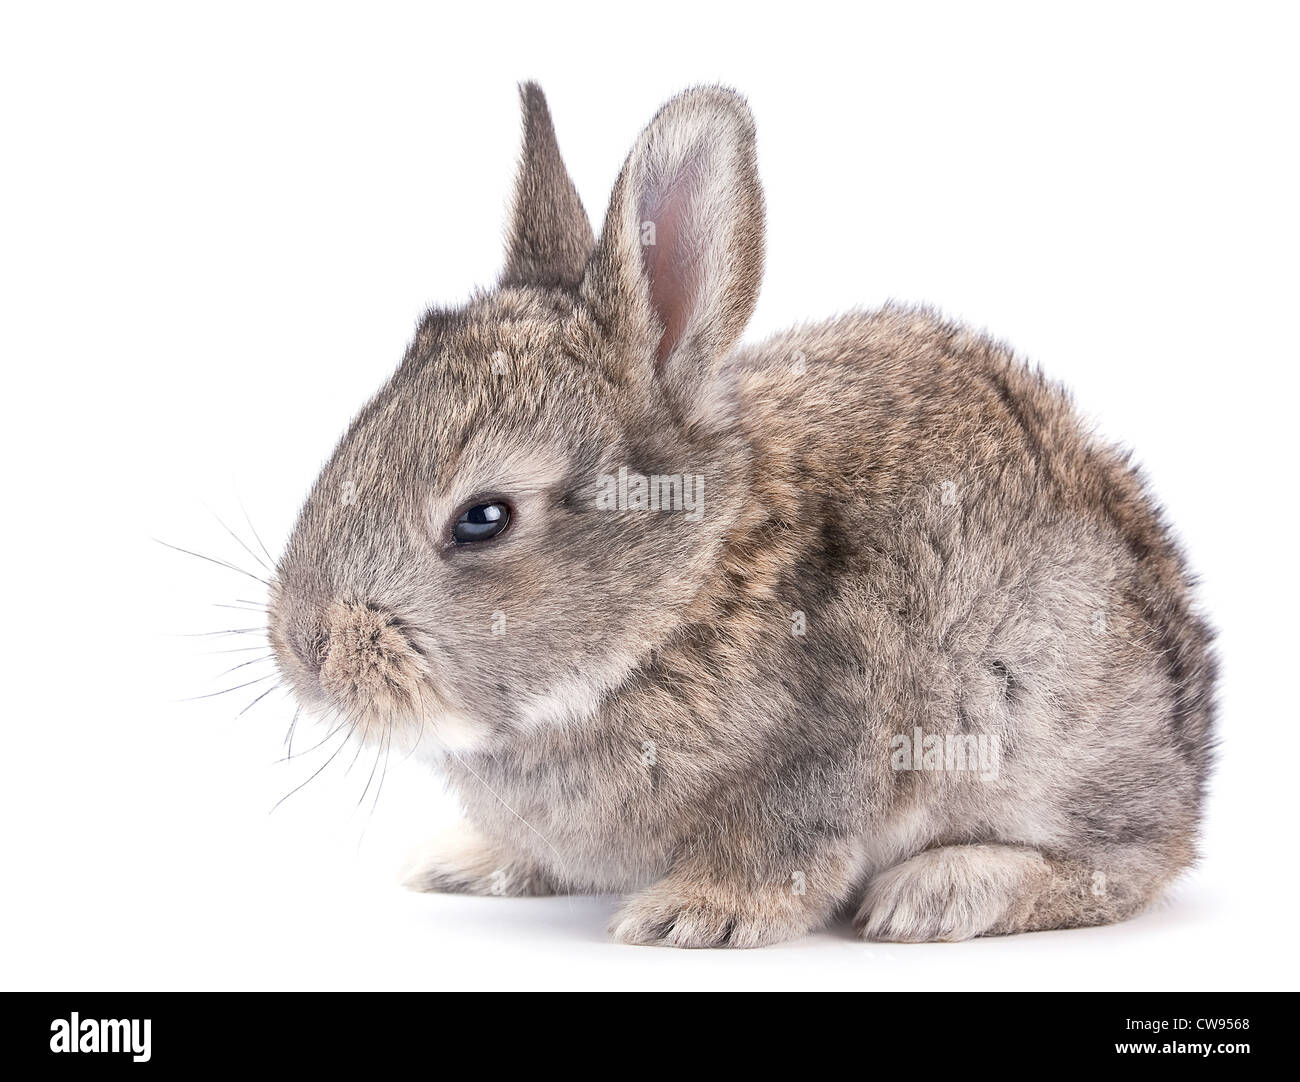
(465, 862)
(678, 912)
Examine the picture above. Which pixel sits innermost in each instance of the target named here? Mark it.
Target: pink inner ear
(671, 262)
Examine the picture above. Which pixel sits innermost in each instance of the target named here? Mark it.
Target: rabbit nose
(362, 654)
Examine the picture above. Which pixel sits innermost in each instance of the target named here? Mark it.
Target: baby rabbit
(859, 619)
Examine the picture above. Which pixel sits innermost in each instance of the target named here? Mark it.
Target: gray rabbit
(860, 619)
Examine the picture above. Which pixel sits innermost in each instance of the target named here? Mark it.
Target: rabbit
(859, 622)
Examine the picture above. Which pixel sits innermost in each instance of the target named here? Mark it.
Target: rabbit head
(542, 490)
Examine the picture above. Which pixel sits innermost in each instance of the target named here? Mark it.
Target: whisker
(388, 747)
(360, 746)
(499, 799)
(240, 541)
(324, 740)
(227, 691)
(418, 737)
(234, 650)
(256, 701)
(214, 560)
(479, 778)
(374, 766)
(250, 661)
(227, 631)
(253, 529)
(318, 770)
(288, 739)
(238, 608)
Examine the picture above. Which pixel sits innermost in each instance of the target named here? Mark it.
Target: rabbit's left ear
(675, 275)
(550, 238)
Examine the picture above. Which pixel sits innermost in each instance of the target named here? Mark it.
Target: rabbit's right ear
(675, 275)
(550, 237)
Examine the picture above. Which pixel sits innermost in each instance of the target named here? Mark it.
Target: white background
(218, 229)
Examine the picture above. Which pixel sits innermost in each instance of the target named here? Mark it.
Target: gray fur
(623, 700)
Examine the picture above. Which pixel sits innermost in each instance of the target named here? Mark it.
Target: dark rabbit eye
(480, 522)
